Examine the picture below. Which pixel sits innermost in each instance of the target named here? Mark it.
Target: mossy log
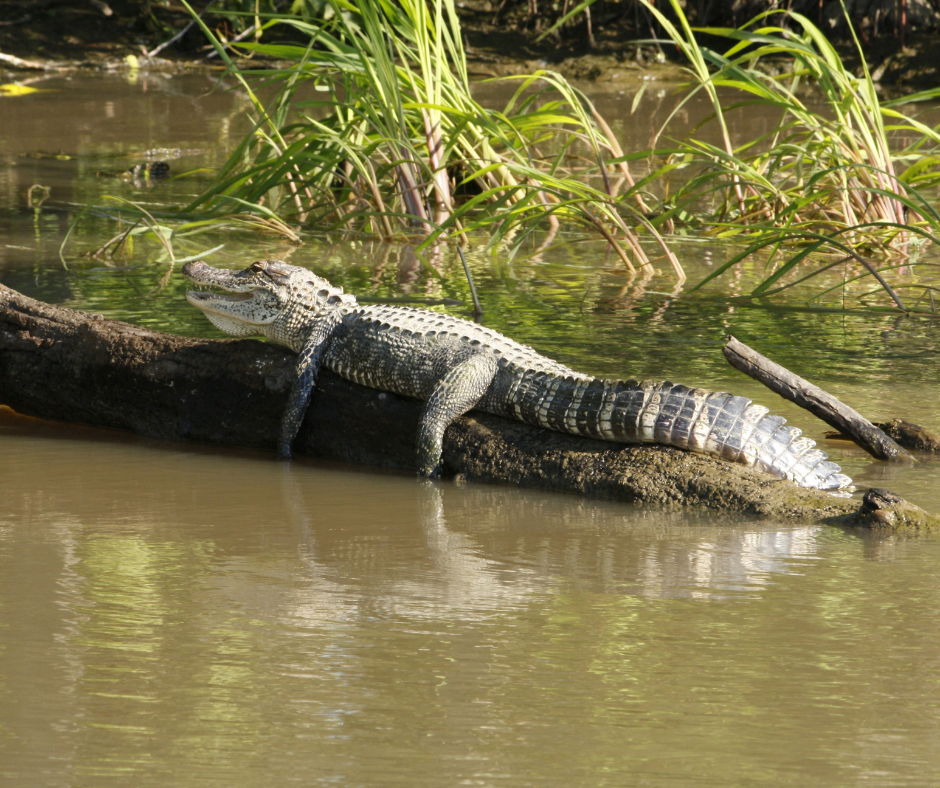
(72, 366)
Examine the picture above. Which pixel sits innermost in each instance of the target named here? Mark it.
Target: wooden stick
(912, 437)
(17, 62)
(815, 400)
(228, 44)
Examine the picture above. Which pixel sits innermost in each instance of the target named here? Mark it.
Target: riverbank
(613, 52)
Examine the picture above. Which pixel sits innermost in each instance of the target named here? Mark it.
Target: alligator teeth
(221, 296)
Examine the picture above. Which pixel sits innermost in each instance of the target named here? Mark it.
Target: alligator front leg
(456, 393)
(308, 367)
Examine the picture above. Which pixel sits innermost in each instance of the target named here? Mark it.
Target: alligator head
(269, 297)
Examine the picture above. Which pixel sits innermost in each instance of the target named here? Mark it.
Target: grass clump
(397, 146)
(369, 128)
(852, 181)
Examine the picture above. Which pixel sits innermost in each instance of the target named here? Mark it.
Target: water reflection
(199, 617)
(460, 579)
(193, 614)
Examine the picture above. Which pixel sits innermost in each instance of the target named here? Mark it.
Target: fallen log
(912, 437)
(66, 365)
(818, 402)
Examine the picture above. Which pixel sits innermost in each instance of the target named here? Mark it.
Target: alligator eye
(258, 267)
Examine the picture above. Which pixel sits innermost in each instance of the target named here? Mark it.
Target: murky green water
(184, 615)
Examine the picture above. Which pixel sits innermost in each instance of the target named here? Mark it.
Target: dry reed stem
(617, 150)
(301, 213)
(439, 172)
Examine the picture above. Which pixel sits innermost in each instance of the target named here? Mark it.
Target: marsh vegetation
(364, 125)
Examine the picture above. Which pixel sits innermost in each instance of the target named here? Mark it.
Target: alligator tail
(714, 423)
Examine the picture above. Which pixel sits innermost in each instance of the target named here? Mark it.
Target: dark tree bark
(65, 365)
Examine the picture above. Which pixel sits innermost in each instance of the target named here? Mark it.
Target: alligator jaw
(203, 299)
(208, 295)
(241, 308)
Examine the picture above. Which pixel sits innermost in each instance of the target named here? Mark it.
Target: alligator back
(714, 423)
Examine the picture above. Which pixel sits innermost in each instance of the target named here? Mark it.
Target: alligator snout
(192, 268)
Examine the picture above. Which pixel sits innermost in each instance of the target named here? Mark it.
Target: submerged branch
(33, 65)
(912, 436)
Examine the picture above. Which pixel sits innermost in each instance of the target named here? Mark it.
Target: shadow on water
(187, 615)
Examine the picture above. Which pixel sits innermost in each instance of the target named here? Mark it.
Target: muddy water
(183, 615)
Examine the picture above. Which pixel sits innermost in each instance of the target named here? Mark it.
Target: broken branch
(818, 402)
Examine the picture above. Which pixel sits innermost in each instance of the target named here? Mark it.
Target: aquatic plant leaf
(11, 89)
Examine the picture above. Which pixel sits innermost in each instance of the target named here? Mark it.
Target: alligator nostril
(192, 266)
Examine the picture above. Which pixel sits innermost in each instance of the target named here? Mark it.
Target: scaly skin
(455, 365)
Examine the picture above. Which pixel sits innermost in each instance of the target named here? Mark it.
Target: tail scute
(714, 423)
(726, 426)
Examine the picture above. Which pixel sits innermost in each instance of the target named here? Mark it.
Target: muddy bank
(65, 365)
(501, 39)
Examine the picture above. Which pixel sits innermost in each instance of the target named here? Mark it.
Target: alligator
(454, 365)
(141, 175)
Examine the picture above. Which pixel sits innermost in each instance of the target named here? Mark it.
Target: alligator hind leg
(456, 393)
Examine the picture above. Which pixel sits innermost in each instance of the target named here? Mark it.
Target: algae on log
(66, 365)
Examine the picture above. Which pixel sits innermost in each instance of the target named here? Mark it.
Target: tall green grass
(369, 127)
(398, 147)
(842, 177)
